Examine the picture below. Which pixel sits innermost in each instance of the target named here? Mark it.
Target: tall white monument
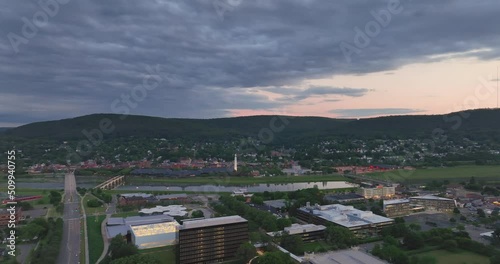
(235, 163)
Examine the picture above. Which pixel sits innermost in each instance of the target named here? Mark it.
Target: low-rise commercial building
(377, 192)
(211, 240)
(397, 207)
(434, 203)
(144, 231)
(308, 233)
(345, 216)
(344, 198)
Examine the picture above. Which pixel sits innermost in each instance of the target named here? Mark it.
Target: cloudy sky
(218, 58)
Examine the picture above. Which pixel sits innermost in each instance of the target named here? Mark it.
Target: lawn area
(462, 257)
(92, 210)
(242, 180)
(164, 254)
(82, 242)
(126, 214)
(459, 173)
(96, 244)
(317, 246)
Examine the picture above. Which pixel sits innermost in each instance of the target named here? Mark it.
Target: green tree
(246, 252)
(456, 211)
(257, 200)
(55, 197)
(450, 245)
(414, 227)
(94, 203)
(480, 213)
(413, 240)
(139, 258)
(292, 243)
(283, 222)
(197, 214)
(118, 248)
(276, 257)
(339, 237)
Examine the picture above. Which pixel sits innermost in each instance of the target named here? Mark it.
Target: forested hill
(475, 123)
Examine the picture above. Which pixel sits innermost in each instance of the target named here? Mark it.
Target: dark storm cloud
(91, 52)
(366, 112)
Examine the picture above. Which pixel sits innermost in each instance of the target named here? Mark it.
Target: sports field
(459, 173)
(463, 257)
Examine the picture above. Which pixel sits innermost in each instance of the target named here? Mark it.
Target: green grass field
(459, 173)
(463, 257)
(242, 180)
(96, 244)
(164, 254)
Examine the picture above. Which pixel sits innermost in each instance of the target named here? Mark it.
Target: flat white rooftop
(295, 229)
(430, 197)
(171, 210)
(346, 216)
(213, 222)
(396, 201)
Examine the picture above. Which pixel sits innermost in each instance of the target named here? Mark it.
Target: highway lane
(70, 246)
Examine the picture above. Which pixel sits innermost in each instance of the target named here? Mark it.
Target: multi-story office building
(377, 192)
(345, 216)
(397, 207)
(308, 233)
(434, 203)
(211, 240)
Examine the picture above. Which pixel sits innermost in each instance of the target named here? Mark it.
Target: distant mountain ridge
(3, 129)
(482, 122)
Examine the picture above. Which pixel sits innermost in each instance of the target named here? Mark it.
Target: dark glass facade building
(211, 240)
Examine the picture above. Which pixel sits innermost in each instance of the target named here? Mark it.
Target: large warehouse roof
(346, 216)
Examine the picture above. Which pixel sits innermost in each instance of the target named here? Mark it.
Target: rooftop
(171, 196)
(119, 225)
(396, 201)
(143, 195)
(431, 197)
(276, 203)
(295, 229)
(171, 210)
(213, 222)
(346, 216)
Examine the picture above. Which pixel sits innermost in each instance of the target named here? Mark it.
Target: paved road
(70, 246)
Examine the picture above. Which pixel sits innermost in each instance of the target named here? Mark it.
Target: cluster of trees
(257, 218)
(55, 198)
(273, 256)
(106, 197)
(120, 252)
(339, 237)
(37, 228)
(197, 214)
(81, 191)
(411, 239)
(94, 203)
(48, 247)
